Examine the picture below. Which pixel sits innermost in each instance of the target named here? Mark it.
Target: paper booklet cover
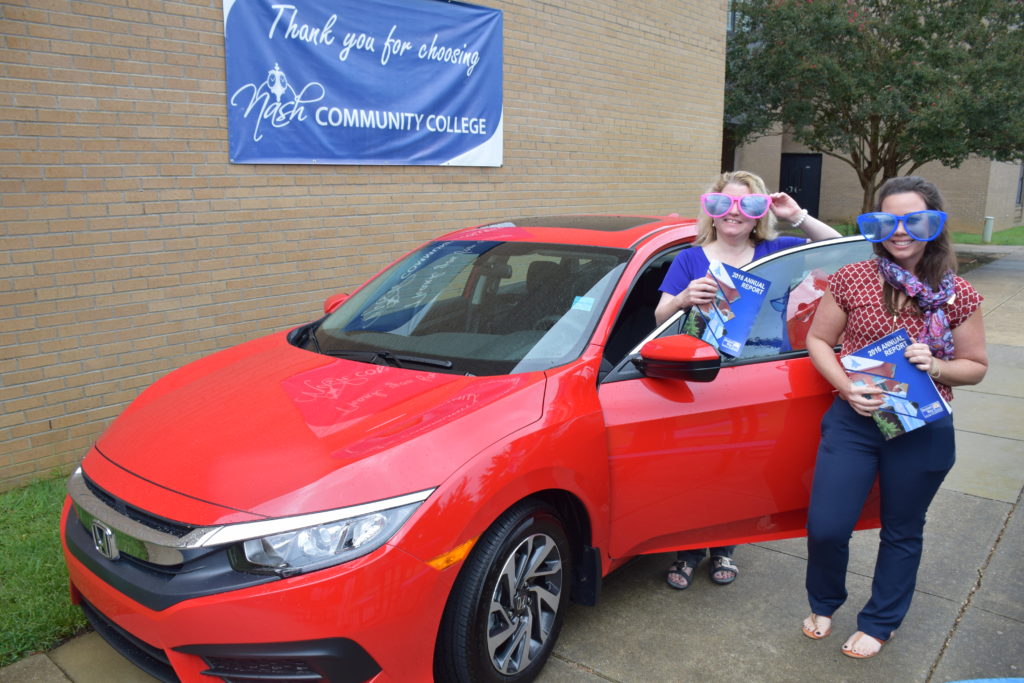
(730, 316)
(911, 398)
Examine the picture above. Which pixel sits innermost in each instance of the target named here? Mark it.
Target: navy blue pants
(909, 469)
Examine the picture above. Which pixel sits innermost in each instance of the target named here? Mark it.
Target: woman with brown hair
(910, 284)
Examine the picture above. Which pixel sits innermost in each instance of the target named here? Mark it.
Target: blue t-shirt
(693, 263)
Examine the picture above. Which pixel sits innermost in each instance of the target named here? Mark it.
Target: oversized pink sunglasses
(753, 206)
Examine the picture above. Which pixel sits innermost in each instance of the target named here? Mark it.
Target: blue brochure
(911, 398)
(733, 312)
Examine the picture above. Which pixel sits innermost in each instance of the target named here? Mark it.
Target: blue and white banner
(416, 82)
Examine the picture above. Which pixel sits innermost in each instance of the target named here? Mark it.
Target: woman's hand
(920, 355)
(699, 292)
(863, 400)
(785, 207)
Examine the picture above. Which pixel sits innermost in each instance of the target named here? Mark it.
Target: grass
(1011, 236)
(35, 611)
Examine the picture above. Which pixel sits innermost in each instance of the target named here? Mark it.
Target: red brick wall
(131, 246)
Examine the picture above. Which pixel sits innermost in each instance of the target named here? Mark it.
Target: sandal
(679, 574)
(850, 646)
(817, 627)
(722, 563)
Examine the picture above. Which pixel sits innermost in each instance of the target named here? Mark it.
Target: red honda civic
(414, 486)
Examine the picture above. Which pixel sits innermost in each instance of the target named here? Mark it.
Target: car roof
(599, 230)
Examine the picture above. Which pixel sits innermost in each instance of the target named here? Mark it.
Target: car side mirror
(679, 357)
(333, 301)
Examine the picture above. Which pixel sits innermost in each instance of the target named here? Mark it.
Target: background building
(830, 190)
(130, 245)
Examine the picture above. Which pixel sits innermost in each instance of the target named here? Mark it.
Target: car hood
(272, 430)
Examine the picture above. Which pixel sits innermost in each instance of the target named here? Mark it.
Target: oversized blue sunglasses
(923, 226)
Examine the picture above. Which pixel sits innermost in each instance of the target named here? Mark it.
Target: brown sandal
(854, 640)
(815, 629)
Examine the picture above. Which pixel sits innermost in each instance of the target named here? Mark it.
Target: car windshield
(476, 307)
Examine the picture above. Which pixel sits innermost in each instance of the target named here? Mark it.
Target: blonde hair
(765, 227)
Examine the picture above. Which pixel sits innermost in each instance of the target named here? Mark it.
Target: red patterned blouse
(857, 288)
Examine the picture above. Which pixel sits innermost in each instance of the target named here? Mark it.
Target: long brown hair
(939, 257)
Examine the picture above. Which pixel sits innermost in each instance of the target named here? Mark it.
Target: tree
(883, 85)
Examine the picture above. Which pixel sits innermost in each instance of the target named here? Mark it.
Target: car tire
(506, 607)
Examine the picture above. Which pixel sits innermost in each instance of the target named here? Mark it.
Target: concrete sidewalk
(966, 622)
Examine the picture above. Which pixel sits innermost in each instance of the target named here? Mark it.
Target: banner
(415, 82)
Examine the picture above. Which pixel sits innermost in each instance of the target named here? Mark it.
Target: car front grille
(337, 660)
(150, 659)
(141, 516)
(157, 585)
(256, 670)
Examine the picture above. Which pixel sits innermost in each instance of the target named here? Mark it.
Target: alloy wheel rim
(524, 604)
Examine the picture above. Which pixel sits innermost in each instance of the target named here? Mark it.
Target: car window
(479, 307)
(798, 280)
(636, 319)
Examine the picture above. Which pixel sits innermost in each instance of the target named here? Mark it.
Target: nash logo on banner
(363, 82)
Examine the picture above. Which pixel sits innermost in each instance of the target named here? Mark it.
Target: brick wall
(131, 246)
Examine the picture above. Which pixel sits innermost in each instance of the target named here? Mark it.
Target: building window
(730, 18)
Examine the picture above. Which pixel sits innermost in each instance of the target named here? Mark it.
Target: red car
(415, 485)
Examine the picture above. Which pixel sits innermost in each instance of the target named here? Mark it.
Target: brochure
(730, 316)
(911, 398)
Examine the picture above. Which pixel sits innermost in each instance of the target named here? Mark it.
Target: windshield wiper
(397, 360)
(305, 334)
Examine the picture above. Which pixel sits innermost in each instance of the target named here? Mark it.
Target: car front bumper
(375, 618)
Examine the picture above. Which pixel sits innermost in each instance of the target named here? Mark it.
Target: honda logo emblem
(104, 540)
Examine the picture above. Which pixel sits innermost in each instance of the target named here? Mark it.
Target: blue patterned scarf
(937, 333)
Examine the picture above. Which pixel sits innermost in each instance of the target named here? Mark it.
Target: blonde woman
(737, 226)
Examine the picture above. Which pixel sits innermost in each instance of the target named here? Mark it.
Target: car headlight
(328, 543)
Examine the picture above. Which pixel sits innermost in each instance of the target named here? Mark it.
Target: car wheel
(506, 607)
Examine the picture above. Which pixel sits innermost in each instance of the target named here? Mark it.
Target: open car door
(713, 450)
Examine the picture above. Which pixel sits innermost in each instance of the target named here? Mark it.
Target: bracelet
(798, 221)
(934, 371)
